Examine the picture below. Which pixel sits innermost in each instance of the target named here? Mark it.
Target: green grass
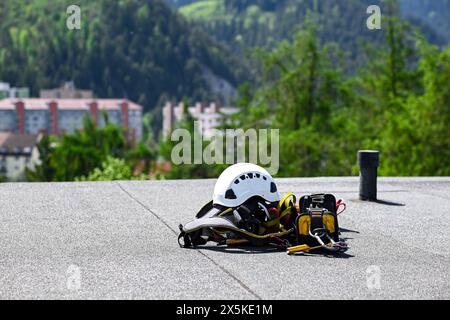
(203, 10)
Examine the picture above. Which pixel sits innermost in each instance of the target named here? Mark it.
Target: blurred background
(93, 91)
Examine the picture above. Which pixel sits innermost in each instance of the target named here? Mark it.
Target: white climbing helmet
(243, 181)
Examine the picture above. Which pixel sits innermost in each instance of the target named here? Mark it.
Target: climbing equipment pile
(247, 210)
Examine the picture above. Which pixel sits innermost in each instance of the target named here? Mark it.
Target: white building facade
(209, 116)
(18, 152)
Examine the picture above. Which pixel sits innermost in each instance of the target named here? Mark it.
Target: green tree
(416, 140)
(431, 113)
(187, 170)
(303, 94)
(80, 153)
(110, 170)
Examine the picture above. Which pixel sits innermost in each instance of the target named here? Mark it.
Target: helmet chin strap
(263, 208)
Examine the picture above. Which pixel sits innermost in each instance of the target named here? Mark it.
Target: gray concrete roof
(118, 240)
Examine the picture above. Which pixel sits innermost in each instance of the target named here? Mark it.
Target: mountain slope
(264, 23)
(133, 48)
(244, 24)
(436, 13)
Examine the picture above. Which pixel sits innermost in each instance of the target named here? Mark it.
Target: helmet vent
(250, 175)
(236, 181)
(264, 178)
(273, 187)
(258, 175)
(230, 194)
(243, 177)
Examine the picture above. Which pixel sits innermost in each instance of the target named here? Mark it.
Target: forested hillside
(244, 24)
(396, 100)
(398, 103)
(436, 13)
(136, 49)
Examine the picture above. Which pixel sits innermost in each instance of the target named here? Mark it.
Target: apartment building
(209, 116)
(59, 116)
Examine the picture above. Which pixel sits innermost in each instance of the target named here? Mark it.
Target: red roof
(13, 142)
(68, 104)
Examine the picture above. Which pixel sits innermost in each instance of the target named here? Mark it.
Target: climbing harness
(247, 210)
(317, 224)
